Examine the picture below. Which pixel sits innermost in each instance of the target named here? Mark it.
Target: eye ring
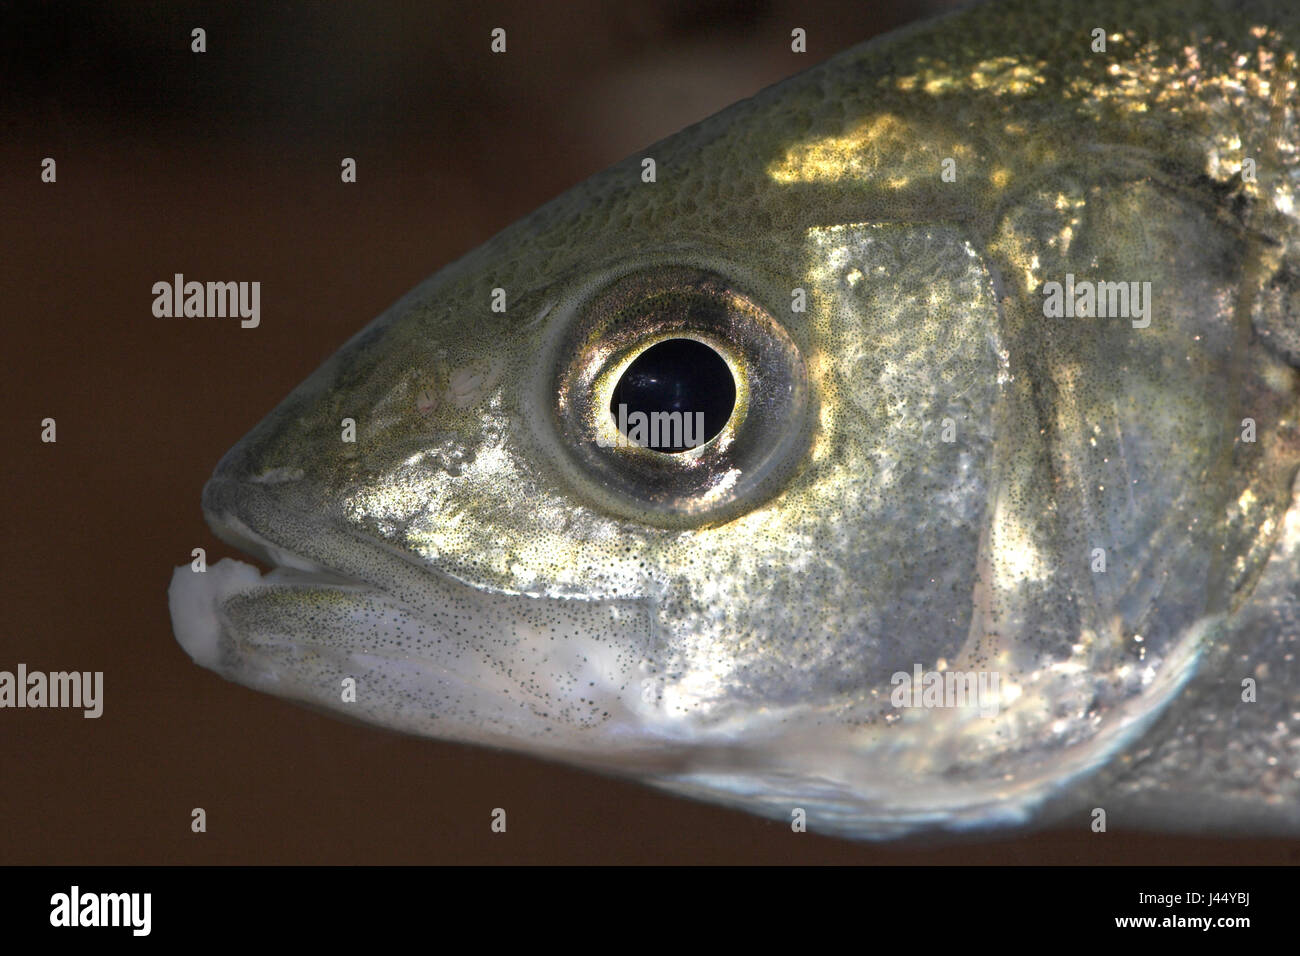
(758, 447)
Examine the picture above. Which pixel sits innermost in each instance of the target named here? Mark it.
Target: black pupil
(675, 395)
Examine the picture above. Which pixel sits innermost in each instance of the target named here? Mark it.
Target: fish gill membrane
(1002, 528)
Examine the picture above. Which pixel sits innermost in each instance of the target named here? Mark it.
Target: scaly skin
(922, 470)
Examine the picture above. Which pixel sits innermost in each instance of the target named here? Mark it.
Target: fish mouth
(352, 625)
(251, 517)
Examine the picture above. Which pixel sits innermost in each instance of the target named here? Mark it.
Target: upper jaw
(285, 526)
(244, 515)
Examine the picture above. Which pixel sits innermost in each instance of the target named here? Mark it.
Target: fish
(908, 451)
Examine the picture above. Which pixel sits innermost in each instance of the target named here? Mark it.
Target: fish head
(906, 483)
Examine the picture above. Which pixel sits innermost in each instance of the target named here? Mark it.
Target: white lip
(195, 598)
(192, 599)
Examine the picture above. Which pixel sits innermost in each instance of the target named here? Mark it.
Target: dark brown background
(226, 165)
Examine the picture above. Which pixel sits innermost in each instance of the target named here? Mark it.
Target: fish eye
(683, 383)
(675, 398)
